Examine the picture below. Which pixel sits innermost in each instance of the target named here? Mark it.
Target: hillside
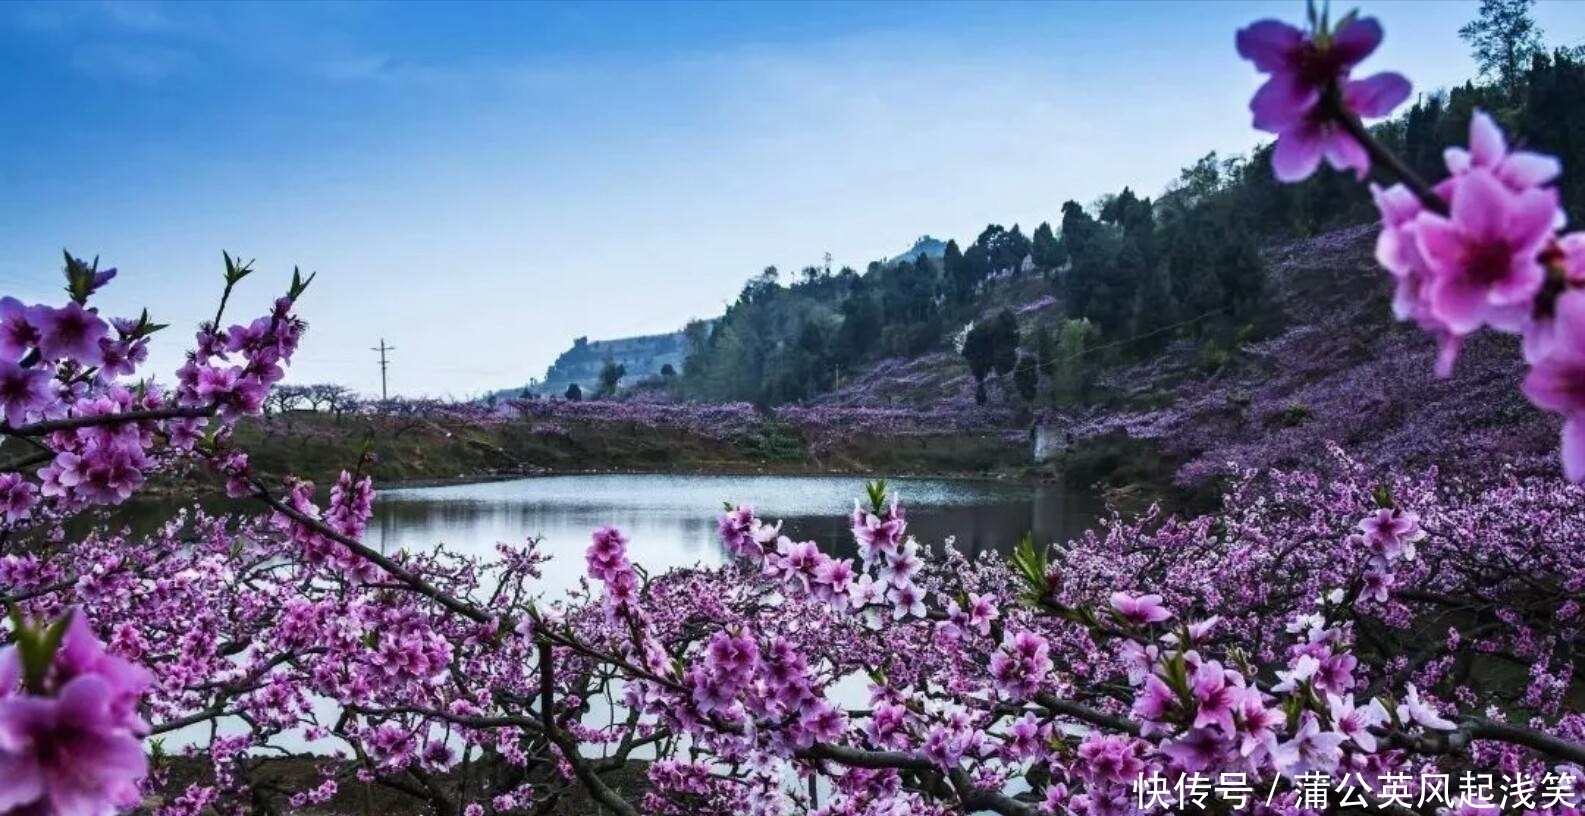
(1338, 370)
(642, 357)
(1229, 321)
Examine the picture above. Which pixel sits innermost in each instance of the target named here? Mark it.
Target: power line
(382, 349)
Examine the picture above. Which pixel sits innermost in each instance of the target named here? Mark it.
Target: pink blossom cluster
(1480, 248)
(1138, 650)
(1371, 624)
(64, 384)
(70, 732)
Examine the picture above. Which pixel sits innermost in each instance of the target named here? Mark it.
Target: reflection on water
(671, 520)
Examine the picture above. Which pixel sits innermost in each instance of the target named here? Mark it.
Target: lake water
(671, 519)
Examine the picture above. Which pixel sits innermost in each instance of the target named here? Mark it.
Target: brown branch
(1380, 156)
(547, 688)
(569, 747)
(1087, 714)
(72, 423)
(1458, 740)
(1557, 747)
(391, 568)
(973, 799)
(860, 758)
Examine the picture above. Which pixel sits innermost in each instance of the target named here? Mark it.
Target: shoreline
(725, 471)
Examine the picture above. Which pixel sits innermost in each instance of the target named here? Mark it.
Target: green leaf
(235, 270)
(79, 277)
(146, 327)
(36, 648)
(1031, 563)
(299, 283)
(55, 635)
(877, 495)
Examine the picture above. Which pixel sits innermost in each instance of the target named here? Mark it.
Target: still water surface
(671, 519)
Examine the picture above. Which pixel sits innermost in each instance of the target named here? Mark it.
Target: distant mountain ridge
(646, 355)
(643, 357)
(924, 245)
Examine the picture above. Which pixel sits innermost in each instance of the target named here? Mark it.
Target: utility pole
(382, 349)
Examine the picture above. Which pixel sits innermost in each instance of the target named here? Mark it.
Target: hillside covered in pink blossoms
(1339, 369)
(1335, 368)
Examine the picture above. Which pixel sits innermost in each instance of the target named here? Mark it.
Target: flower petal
(22, 717)
(1448, 346)
(1520, 285)
(85, 702)
(1573, 246)
(1553, 384)
(1524, 168)
(1282, 103)
(1486, 143)
(1268, 44)
(1343, 153)
(1573, 449)
(1458, 303)
(1297, 154)
(21, 781)
(1441, 244)
(1355, 41)
(1377, 95)
(1540, 337)
(1532, 215)
(1396, 203)
(10, 670)
(1480, 205)
(1568, 317)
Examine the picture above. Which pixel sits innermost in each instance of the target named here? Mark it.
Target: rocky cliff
(643, 357)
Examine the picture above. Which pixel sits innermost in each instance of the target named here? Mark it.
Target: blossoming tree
(1337, 638)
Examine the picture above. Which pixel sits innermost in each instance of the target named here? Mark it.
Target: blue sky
(479, 184)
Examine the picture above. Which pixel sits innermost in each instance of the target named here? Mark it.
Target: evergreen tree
(1026, 377)
(1080, 242)
(1046, 353)
(1045, 248)
(979, 350)
(977, 266)
(908, 293)
(861, 325)
(611, 374)
(1005, 344)
(992, 346)
(1013, 249)
(574, 393)
(1154, 309)
(956, 273)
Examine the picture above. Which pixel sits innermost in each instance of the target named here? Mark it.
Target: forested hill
(1112, 283)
